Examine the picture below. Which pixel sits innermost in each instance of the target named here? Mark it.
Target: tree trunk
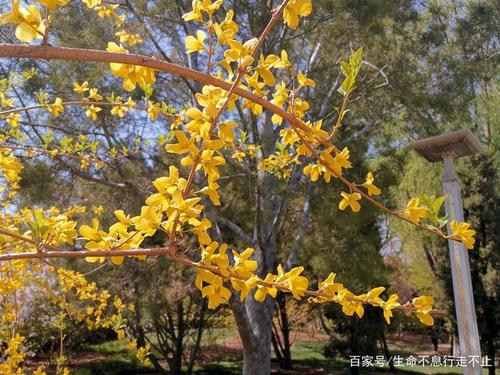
(281, 335)
(178, 345)
(257, 361)
(254, 322)
(254, 319)
(387, 353)
(200, 325)
(277, 348)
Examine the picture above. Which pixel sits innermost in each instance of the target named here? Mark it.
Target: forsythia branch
(78, 54)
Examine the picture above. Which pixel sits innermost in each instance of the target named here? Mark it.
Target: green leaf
(436, 205)
(39, 226)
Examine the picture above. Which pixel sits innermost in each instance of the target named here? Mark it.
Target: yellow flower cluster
(132, 75)
(294, 10)
(14, 355)
(462, 232)
(28, 21)
(10, 171)
(427, 213)
(215, 269)
(75, 297)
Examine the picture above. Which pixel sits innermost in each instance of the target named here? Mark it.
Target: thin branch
(245, 237)
(380, 71)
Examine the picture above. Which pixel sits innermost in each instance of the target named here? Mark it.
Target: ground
(221, 355)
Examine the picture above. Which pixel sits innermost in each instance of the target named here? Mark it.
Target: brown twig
(84, 103)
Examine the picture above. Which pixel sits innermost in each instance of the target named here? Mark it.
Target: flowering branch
(78, 54)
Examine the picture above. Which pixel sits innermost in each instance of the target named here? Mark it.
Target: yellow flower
(215, 290)
(92, 233)
(92, 3)
(121, 334)
(13, 119)
(212, 99)
(349, 306)
(29, 21)
(106, 10)
(304, 81)
(148, 221)
(414, 212)
(284, 62)
(85, 162)
(61, 230)
(264, 66)
(209, 162)
(463, 232)
(329, 287)
(200, 229)
(373, 296)
(166, 186)
(263, 291)
(240, 52)
(56, 108)
(142, 355)
(227, 29)
(226, 132)
(187, 208)
(119, 110)
(183, 146)
(98, 210)
(300, 107)
(6, 102)
(210, 7)
(154, 110)
(351, 200)
(53, 4)
(280, 97)
(336, 163)
(294, 10)
(423, 305)
(10, 167)
(93, 94)
(389, 305)
(200, 124)
(293, 281)
(81, 88)
(123, 222)
(242, 265)
(372, 189)
(212, 192)
(238, 155)
(131, 74)
(14, 353)
(195, 44)
(244, 286)
(92, 112)
(313, 171)
(195, 14)
(131, 39)
(219, 259)
(39, 371)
